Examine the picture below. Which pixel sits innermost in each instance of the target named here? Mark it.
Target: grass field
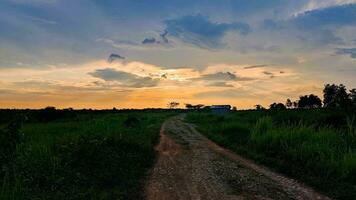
(52, 154)
(314, 146)
(86, 155)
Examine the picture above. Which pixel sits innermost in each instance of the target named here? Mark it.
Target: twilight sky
(145, 53)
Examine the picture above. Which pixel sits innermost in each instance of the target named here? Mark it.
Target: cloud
(347, 51)
(42, 20)
(198, 30)
(317, 27)
(331, 16)
(220, 84)
(319, 4)
(222, 76)
(268, 74)
(150, 40)
(162, 39)
(255, 66)
(114, 57)
(164, 36)
(124, 78)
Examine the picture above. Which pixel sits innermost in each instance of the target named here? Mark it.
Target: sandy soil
(189, 166)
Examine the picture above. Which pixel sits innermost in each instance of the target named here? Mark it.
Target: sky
(146, 53)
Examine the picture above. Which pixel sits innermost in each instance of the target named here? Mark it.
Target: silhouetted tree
(289, 103)
(199, 106)
(295, 104)
(336, 96)
(311, 101)
(259, 107)
(188, 106)
(172, 105)
(277, 106)
(353, 97)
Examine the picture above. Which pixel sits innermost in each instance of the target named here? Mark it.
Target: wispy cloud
(255, 66)
(346, 51)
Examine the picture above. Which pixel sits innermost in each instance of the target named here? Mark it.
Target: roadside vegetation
(67, 154)
(312, 144)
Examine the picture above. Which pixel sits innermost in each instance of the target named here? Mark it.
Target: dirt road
(189, 166)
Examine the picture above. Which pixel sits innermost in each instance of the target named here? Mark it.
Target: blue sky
(226, 51)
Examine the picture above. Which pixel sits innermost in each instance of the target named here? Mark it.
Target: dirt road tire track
(189, 166)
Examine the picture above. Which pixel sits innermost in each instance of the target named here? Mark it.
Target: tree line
(334, 96)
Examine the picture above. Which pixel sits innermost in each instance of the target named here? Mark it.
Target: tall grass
(97, 157)
(301, 144)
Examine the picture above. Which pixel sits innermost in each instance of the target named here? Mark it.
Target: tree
(188, 106)
(172, 105)
(295, 104)
(198, 106)
(353, 97)
(311, 101)
(277, 106)
(329, 94)
(259, 107)
(336, 96)
(289, 103)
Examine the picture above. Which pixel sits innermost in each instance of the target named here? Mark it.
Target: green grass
(315, 146)
(98, 156)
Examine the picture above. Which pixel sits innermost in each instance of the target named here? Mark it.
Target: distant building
(220, 109)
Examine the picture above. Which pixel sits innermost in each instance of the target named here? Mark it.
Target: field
(89, 154)
(315, 146)
(51, 154)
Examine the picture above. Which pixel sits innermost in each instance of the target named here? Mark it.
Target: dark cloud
(316, 27)
(164, 76)
(164, 36)
(150, 40)
(222, 76)
(347, 51)
(255, 66)
(162, 39)
(331, 16)
(124, 78)
(198, 30)
(268, 74)
(114, 57)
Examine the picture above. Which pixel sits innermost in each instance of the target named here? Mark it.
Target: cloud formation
(222, 76)
(331, 16)
(200, 31)
(114, 57)
(124, 78)
(347, 51)
(162, 39)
